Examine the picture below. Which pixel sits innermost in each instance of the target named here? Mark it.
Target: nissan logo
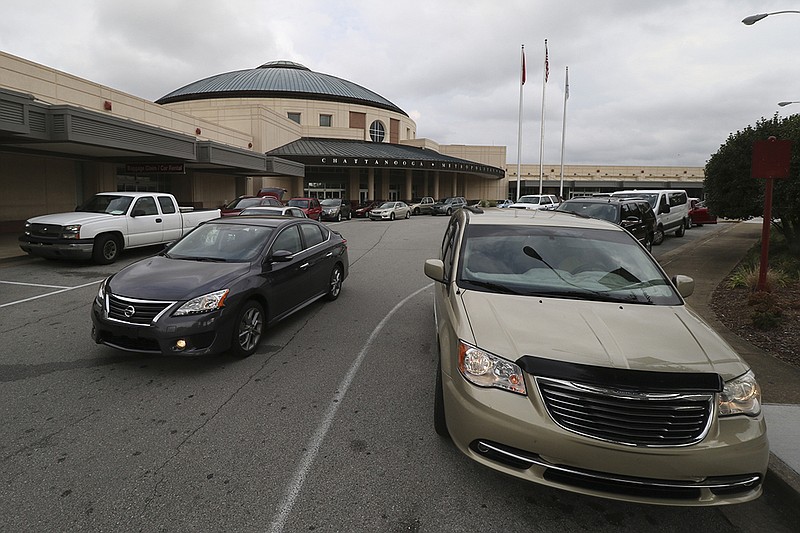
(129, 311)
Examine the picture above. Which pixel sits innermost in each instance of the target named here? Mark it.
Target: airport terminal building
(63, 138)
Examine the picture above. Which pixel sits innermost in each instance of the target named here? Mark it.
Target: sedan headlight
(101, 293)
(740, 396)
(484, 369)
(203, 304)
(73, 231)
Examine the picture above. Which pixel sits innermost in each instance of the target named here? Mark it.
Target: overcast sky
(650, 82)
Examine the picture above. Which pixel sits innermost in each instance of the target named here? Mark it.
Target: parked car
(671, 207)
(110, 222)
(274, 211)
(446, 206)
(536, 201)
(220, 287)
(276, 192)
(362, 211)
(633, 214)
(390, 211)
(233, 208)
(699, 213)
(310, 206)
(422, 206)
(504, 204)
(567, 357)
(335, 209)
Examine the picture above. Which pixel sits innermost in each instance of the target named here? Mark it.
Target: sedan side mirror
(684, 284)
(434, 269)
(281, 256)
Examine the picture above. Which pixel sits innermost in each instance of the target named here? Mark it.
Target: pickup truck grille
(46, 231)
(136, 312)
(632, 418)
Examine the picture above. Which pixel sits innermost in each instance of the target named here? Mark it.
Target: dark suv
(634, 214)
(446, 206)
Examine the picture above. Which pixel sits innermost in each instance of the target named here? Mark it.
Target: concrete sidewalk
(708, 261)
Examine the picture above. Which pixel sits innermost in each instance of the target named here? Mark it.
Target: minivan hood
(161, 278)
(625, 336)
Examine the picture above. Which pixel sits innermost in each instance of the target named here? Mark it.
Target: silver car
(568, 358)
(390, 211)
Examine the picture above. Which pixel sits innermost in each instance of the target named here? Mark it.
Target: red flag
(523, 65)
(546, 63)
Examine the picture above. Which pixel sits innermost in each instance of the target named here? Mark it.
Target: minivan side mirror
(434, 269)
(684, 284)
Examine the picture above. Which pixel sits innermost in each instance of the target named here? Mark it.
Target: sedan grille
(625, 417)
(133, 311)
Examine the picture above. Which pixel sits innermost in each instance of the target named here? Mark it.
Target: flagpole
(519, 132)
(564, 131)
(541, 135)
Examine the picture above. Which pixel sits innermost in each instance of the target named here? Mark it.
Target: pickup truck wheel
(248, 329)
(105, 250)
(416, 210)
(335, 284)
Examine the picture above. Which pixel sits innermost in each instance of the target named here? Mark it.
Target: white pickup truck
(110, 222)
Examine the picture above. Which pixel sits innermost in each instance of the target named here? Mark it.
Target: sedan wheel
(249, 327)
(335, 284)
(648, 242)
(408, 214)
(391, 216)
(339, 217)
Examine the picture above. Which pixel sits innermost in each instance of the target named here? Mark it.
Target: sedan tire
(408, 215)
(335, 284)
(248, 330)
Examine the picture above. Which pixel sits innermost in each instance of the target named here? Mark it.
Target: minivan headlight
(203, 304)
(484, 369)
(740, 396)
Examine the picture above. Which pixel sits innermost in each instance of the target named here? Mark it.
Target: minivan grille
(137, 312)
(638, 418)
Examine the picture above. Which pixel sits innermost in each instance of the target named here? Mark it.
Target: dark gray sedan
(220, 286)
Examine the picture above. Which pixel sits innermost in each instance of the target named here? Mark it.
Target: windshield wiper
(496, 287)
(208, 259)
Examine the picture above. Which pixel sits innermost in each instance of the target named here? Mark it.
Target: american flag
(546, 63)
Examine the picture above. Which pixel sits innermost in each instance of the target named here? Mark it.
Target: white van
(671, 207)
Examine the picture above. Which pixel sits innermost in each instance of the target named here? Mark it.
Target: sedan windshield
(387, 205)
(107, 203)
(331, 202)
(574, 263)
(221, 242)
(303, 204)
(241, 203)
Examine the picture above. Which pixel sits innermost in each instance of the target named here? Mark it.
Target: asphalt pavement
(708, 261)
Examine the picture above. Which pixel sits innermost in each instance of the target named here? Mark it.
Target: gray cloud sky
(651, 83)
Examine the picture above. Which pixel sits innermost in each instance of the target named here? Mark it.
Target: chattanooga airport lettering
(364, 161)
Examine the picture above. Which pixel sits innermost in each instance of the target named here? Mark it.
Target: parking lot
(327, 427)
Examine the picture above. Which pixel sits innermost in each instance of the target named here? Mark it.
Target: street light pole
(752, 19)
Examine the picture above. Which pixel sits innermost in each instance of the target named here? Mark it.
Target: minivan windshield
(576, 263)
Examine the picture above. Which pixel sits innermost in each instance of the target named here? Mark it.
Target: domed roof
(279, 79)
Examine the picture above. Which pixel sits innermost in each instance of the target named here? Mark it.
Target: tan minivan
(568, 358)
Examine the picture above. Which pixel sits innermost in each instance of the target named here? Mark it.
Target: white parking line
(49, 293)
(312, 448)
(34, 285)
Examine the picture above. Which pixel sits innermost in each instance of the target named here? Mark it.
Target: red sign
(771, 158)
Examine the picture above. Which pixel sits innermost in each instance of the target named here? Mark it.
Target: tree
(733, 193)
